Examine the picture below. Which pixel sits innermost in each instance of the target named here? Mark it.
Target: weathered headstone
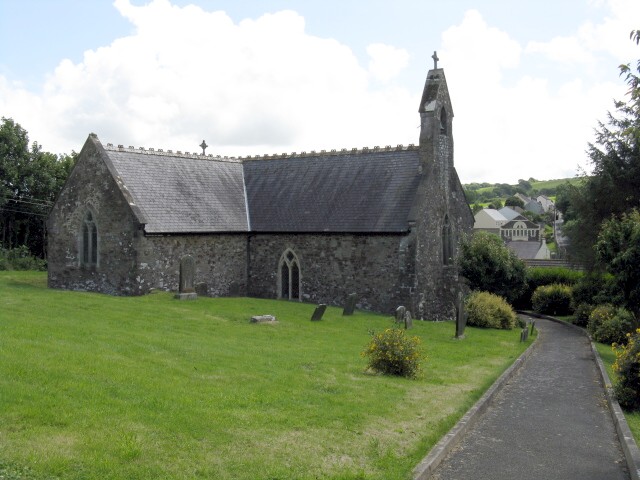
(186, 290)
(400, 311)
(202, 289)
(350, 304)
(264, 319)
(318, 312)
(461, 315)
(408, 321)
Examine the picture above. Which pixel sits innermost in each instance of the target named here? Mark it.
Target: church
(383, 222)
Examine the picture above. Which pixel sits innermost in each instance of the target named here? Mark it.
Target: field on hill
(95, 387)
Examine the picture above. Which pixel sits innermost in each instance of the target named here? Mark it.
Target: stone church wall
(220, 262)
(378, 268)
(90, 187)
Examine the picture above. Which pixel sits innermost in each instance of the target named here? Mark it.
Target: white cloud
(265, 85)
(257, 86)
(386, 61)
(530, 125)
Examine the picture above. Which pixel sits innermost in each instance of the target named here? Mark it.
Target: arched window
(289, 276)
(443, 121)
(89, 254)
(447, 242)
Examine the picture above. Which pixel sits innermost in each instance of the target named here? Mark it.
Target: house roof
(509, 213)
(526, 221)
(525, 250)
(493, 213)
(349, 191)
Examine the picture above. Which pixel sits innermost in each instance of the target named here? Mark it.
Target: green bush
(488, 310)
(596, 289)
(552, 299)
(20, 258)
(627, 366)
(539, 276)
(582, 313)
(489, 265)
(608, 324)
(393, 352)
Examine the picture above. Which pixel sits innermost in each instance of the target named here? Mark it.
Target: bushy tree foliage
(614, 186)
(489, 265)
(30, 180)
(514, 201)
(618, 248)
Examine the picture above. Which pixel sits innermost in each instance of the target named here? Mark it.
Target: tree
(513, 201)
(30, 180)
(618, 248)
(525, 185)
(614, 186)
(490, 266)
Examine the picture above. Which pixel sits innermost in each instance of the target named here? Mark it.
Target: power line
(24, 212)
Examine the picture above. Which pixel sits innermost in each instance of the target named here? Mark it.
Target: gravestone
(264, 319)
(318, 312)
(186, 291)
(408, 321)
(461, 313)
(202, 289)
(350, 305)
(400, 311)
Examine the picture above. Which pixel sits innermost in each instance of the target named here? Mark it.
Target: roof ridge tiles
(266, 156)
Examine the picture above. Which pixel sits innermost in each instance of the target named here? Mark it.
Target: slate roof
(525, 250)
(178, 194)
(354, 191)
(509, 213)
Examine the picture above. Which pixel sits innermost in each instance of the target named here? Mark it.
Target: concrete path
(551, 421)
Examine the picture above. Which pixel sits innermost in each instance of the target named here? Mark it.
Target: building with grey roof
(382, 222)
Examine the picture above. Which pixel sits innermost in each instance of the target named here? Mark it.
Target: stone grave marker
(461, 316)
(408, 321)
(202, 289)
(264, 319)
(350, 304)
(318, 312)
(186, 290)
(400, 311)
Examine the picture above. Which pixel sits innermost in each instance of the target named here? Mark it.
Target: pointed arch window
(289, 276)
(447, 242)
(89, 234)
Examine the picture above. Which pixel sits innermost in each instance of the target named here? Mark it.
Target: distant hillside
(486, 193)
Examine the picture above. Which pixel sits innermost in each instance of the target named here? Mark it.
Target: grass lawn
(608, 358)
(100, 387)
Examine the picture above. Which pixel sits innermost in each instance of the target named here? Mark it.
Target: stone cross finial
(203, 146)
(435, 60)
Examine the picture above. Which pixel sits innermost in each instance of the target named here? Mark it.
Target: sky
(529, 80)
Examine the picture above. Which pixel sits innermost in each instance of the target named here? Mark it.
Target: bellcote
(436, 114)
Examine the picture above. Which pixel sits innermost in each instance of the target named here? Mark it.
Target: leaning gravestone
(186, 290)
(318, 312)
(350, 305)
(400, 311)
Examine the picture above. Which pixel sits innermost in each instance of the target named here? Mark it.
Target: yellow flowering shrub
(393, 352)
(627, 366)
